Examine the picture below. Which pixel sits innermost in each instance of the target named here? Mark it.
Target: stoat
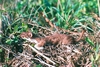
(55, 39)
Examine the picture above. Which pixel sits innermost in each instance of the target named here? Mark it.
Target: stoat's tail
(81, 35)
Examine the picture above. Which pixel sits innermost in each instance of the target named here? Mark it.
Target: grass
(66, 14)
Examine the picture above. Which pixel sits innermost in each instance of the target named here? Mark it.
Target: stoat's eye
(29, 34)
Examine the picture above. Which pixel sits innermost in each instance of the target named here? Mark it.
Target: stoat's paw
(39, 48)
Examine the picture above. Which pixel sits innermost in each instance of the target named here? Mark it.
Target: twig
(44, 62)
(57, 28)
(98, 1)
(42, 27)
(39, 53)
(8, 50)
(47, 20)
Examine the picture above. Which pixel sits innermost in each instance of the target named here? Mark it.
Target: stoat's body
(54, 39)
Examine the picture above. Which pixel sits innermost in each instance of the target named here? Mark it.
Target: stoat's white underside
(31, 40)
(34, 41)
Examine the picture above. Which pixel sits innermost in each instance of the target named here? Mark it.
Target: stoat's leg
(40, 45)
(37, 47)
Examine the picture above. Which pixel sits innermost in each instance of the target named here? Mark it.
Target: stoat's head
(28, 36)
(25, 35)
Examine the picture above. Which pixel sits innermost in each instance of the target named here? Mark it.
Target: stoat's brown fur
(55, 38)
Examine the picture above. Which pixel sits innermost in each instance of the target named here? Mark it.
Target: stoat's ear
(22, 35)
